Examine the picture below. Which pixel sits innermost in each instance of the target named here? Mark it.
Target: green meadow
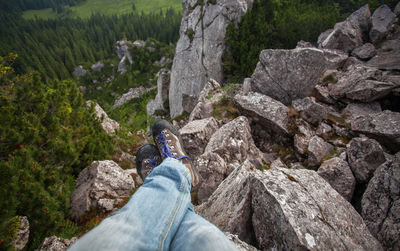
(107, 7)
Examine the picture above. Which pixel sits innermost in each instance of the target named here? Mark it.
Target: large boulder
(302, 137)
(227, 149)
(310, 110)
(299, 210)
(382, 20)
(97, 66)
(338, 174)
(286, 75)
(101, 186)
(318, 149)
(355, 110)
(79, 71)
(362, 84)
(383, 126)
(198, 55)
(240, 245)
(22, 234)
(229, 207)
(109, 125)
(122, 49)
(380, 205)
(348, 34)
(196, 134)
(162, 92)
(270, 113)
(131, 94)
(55, 243)
(364, 52)
(364, 156)
(208, 97)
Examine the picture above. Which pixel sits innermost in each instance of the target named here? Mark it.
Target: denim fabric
(159, 216)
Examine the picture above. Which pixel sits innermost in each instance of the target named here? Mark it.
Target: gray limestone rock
(382, 20)
(318, 149)
(122, 50)
(299, 210)
(101, 186)
(22, 235)
(324, 130)
(198, 55)
(310, 110)
(348, 34)
(122, 65)
(109, 125)
(139, 43)
(208, 97)
(383, 126)
(355, 110)
(97, 66)
(240, 245)
(302, 138)
(364, 156)
(338, 174)
(131, 94)
(381, 204)
(196, 134)
(229, 207)
(269, 112)
(79, 71)
(157, 103)
(304, 44)
(397, 9)
(364, 52)
(55, 243)
(362, 84)
(228, 147)
(286, 75)
(352, 61)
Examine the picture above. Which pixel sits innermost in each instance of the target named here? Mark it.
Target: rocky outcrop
(199, 50)
(131, 94)
(122, 49)
(97, 66)
(298, 210)
(229, 207)
(162, 92)
(227, 149)
(101, 186)
(286, 75)
(270, 113)
(318, 149)
(79, 71)
(383, 126)
(196, 134)
(381, 204)
(382, 20)
(109, 125)
(338, 174)
(347, 35)
(364, 156)
(22, 234)
(364, 52)
(208, 97)
(55, 243)
(355, 110)
(310, 110)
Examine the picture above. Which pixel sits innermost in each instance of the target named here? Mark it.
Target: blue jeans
(159, 216)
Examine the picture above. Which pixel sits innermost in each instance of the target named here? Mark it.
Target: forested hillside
(20, 5)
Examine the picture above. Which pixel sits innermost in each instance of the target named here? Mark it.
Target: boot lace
(165, 149)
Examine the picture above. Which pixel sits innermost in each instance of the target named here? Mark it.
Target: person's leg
(152, 216)
(197, 234)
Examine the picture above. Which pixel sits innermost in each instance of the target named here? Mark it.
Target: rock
(321, 94)
(97, 66)
(318, 149)
(240, 245)
(196, 134)
(304, 44)
(228, 148)
(79, 71)
(324, 130)
(380, 205)
(199, 50)
(382, 20)
(268, 112)
(397, 9)
(209, 96)
(139, 43)
(246, 86)
(229, 207)
(363, 84)
(286, 75)
(338, 174)
(299, 210)
(162, 92)
(55, 243)
(22, 234)
(383, 126)
(347, 35)
(122, 66)
(131, 94)
(364, 52)
(109, 125)
(101, 186)
(364, 156)
(302, 138)
(354, 110)
(310, 110)
(122, 50)
(352, 61)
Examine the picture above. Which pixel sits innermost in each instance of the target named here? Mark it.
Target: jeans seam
(174, 212)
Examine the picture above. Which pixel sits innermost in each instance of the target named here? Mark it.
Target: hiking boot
(169, 143)
(147, 158)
